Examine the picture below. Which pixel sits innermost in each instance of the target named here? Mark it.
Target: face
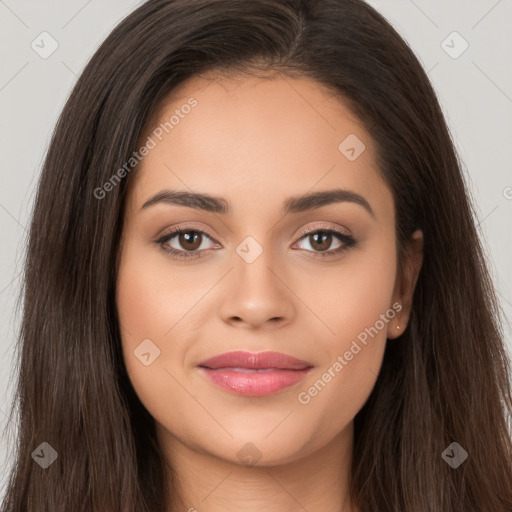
(256, 271)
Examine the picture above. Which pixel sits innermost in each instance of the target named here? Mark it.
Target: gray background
(474, 88)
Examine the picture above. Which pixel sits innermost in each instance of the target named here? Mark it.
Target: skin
(256, 142)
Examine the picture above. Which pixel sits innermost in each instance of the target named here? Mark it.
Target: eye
(321, 239)
(190, 242)
(190, 239)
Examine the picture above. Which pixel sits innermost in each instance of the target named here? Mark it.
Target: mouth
(254, 374)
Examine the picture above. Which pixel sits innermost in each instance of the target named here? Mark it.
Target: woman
(253, 279)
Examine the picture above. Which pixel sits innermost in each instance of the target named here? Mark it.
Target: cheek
(152, 296)
(355, 294)
(148, 306)
(356, 307)
(157, 303)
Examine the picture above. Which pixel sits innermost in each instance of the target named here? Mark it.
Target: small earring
(398, 327)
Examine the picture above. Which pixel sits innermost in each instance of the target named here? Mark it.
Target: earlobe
(406, 283)
(396, 326)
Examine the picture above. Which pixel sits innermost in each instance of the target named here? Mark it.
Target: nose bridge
(256, 266)
(257, 292)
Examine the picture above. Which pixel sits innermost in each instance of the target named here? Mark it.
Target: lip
(254, 374)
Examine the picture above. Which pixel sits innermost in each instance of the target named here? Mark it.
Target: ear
(405, 284)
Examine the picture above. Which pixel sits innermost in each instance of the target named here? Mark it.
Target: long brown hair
(446, 379)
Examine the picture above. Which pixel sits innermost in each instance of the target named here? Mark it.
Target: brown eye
(184, 242)
(190, 240)
(321, 240)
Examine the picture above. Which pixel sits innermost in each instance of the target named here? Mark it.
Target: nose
(257, 295)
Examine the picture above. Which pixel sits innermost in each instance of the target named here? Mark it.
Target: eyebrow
(295, 204)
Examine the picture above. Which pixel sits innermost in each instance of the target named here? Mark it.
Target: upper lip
(255, 360)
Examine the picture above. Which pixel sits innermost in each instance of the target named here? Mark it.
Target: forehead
(256, 138)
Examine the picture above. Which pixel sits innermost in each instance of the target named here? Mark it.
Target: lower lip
(254, 383)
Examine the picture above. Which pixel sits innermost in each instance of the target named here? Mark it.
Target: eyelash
(347, 240)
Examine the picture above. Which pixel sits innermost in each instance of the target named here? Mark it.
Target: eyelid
(183, 227)
(302, 232)
(312, 229)
(175, 230)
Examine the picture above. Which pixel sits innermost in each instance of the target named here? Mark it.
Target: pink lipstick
(254, 374)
